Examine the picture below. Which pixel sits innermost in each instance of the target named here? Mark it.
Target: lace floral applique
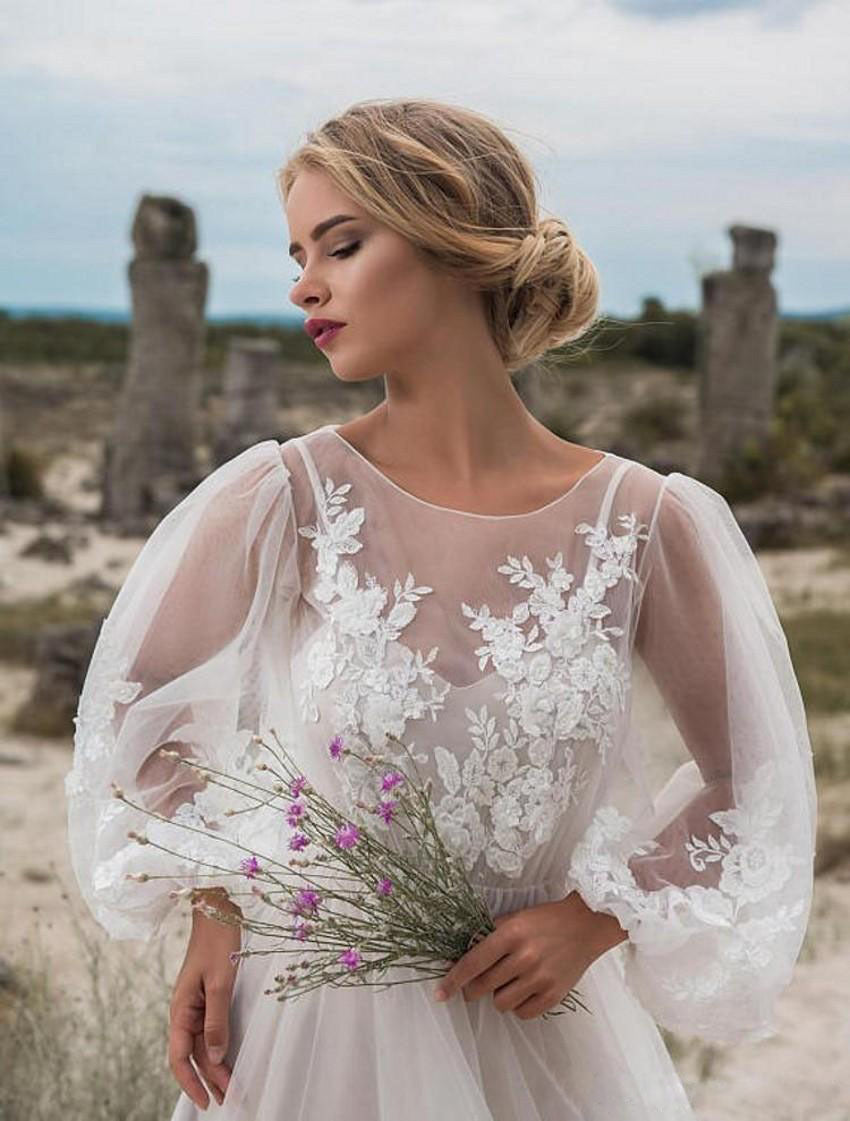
(564, 682)
(376, 696)
(106, 686)
(754, 866)
(574, 680)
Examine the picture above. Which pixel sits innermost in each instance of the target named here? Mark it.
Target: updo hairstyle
(450, 181)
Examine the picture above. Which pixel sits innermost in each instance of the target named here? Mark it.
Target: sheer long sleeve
(178, 661)
(713, 879)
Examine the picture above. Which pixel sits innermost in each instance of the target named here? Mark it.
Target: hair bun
(529, 253)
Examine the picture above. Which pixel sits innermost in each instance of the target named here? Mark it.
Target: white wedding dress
(299, 588)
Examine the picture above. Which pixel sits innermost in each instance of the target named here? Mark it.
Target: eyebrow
(322, 228)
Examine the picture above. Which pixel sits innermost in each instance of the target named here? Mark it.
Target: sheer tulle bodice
(300, 588)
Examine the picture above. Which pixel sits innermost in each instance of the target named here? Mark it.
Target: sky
(652, 126)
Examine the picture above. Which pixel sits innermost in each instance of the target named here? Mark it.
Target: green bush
(819, 642)
(21, 621)
(655, 419)
(24, 470)
(780, 464)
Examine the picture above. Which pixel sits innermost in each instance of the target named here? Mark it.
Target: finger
(502, 973)
(211, 1074)
(217, 1017)
(490, 950)
(219, 1072)
(534, 1005)
(187, 1016)
(180, 1045)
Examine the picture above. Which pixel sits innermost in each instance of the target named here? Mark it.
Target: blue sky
(652, 125)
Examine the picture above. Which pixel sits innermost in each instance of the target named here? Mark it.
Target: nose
(306, 293)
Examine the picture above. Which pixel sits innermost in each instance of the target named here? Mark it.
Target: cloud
(774, 12)
(646, 136)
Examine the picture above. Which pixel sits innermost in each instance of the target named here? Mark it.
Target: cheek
(396, 289)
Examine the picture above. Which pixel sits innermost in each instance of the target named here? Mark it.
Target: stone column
(4, 453)
(150, 455)
(737, 351)
(250, 390)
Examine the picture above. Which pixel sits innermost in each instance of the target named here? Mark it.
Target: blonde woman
(446, 568)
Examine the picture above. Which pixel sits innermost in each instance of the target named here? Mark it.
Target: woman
(447, 569)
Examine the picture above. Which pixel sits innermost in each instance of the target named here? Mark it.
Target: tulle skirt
(395, 1054)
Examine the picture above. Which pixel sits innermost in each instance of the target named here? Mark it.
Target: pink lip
(325, 337)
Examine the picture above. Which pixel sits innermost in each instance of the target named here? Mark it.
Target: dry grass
(99, 1053)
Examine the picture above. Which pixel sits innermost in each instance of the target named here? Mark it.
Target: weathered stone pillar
(150, 456)
(4, 454)
(250, 392)
(736, 351)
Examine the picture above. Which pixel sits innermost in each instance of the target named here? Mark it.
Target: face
(367, 276)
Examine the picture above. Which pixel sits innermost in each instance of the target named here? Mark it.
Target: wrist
(215, 897)
(610, 933)
(603, 930)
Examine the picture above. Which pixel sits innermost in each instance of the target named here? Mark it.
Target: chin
(348, 374)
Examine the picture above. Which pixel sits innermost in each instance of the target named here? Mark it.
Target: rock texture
(149, 460)
(737, 345)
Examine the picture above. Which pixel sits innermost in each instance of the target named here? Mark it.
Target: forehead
(313, 196)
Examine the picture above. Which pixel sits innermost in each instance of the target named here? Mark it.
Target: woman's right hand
(200, 1004)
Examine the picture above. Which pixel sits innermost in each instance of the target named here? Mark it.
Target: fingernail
(439, 994)
(216, 1054)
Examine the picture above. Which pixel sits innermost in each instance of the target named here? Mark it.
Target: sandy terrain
(801, 1075)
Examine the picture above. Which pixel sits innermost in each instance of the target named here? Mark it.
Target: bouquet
(373, 898)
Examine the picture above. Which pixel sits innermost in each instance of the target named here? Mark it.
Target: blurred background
(699, 151)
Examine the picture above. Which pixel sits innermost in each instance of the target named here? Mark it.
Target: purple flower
(391, 779)
(301, 929)
(295, 812)
(350, 958)
(297, 785)
(347, 836)
(335, 747)
(298, 840)
(306, 899)
(385, 886)
(250, 866)
(386, 810)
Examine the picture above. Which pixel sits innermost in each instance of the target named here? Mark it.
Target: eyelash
(345, 251)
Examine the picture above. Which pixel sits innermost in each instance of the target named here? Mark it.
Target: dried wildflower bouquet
(374, 898)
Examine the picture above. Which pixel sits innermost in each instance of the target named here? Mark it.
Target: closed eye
(345, 251)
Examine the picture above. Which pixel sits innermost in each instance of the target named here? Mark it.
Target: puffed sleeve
(179, 661)
(712, 878)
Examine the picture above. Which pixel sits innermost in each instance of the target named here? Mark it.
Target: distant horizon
(295, 318)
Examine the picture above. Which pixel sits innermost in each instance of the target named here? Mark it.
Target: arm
(715, 903)
(177, 664)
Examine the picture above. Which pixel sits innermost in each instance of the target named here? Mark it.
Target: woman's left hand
(534, 956)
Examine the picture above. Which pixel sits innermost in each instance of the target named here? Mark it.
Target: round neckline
(465, 513)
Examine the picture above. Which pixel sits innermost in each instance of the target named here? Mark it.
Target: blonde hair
(450, 181)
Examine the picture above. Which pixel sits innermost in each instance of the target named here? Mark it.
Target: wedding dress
(299, 588)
